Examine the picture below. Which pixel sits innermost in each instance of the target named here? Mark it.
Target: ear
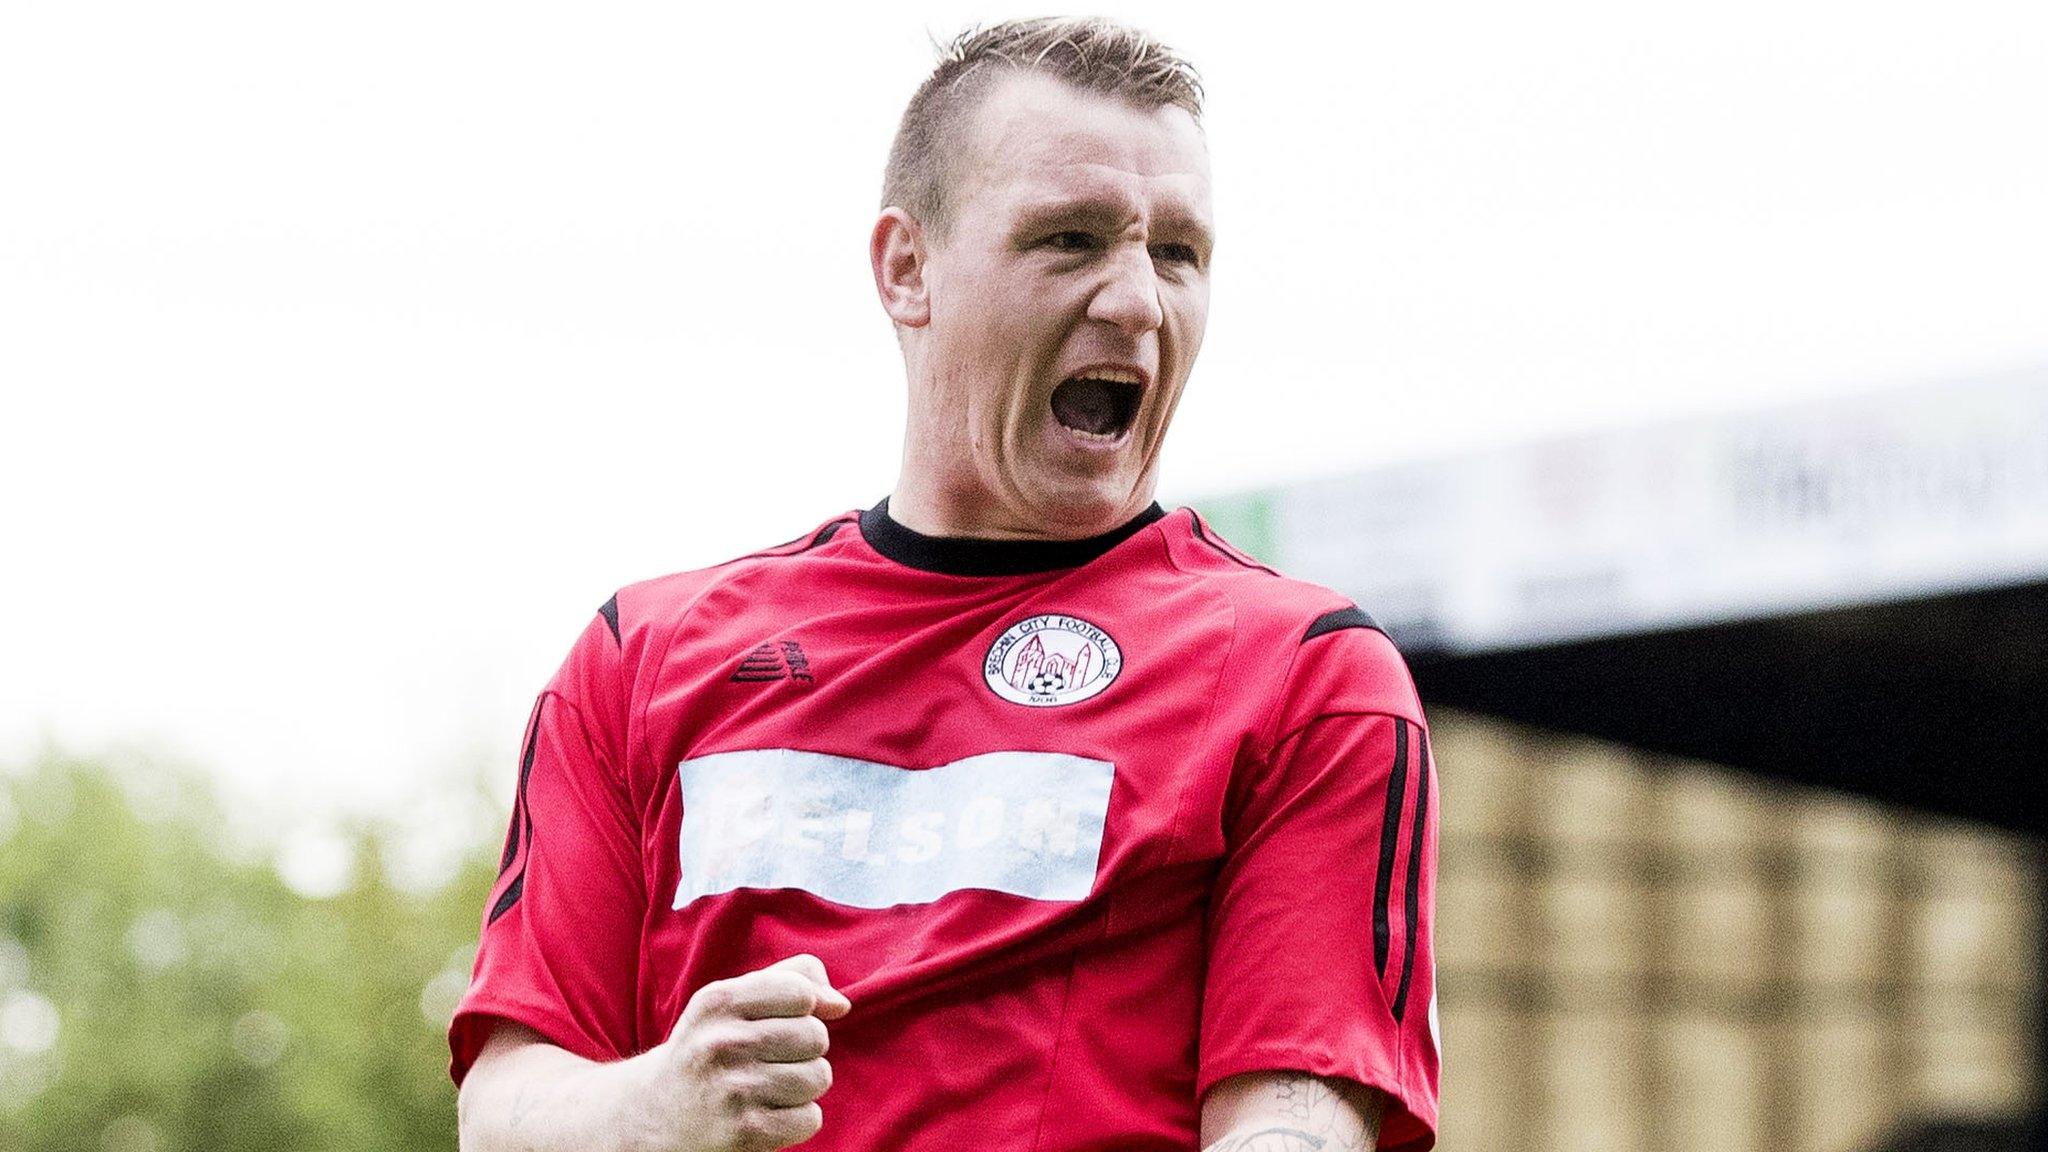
(896, 249)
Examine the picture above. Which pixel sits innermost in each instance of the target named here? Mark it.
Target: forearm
(535, 1097)
(1290, 1112)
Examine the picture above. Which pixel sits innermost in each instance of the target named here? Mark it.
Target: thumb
(832, 1004)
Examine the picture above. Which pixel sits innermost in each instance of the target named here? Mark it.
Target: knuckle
(817, 1035)
(719, 1047)
(790, 988)
(693, 1046)
(715, 998)
(735, 1098)
(753, 1133)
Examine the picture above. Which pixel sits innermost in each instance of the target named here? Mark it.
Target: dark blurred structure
(1939, 704)
(1831, 605)
(1962, 1136)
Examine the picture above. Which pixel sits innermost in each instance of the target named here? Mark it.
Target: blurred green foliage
(162, 989)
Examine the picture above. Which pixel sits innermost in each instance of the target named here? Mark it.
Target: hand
(745, 1065)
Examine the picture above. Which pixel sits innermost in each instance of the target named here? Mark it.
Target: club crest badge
(1046, 661)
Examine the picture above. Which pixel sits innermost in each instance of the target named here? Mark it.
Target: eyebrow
(1108, 212)
(1098, 210)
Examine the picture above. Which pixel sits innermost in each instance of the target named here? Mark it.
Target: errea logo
(1049, 660)
(771, 661)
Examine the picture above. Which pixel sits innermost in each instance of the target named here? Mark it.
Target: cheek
(1188, 307)
(1185, 323)
(995, 318)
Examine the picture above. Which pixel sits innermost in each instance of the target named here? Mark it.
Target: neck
(935, 511)
(932, 508)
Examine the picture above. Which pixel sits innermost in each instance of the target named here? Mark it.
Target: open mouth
(1097, 406)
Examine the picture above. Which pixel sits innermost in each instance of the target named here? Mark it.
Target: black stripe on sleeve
(1390, 839)
(1414, 888)
(518, 885)
(511, 897)
(511, 841)
(610, 611)
(1339, 620)
(519, 796)
(520, 814)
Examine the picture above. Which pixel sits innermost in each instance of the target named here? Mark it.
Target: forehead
(1037, 140)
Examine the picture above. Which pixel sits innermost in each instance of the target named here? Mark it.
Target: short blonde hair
(1091, 53)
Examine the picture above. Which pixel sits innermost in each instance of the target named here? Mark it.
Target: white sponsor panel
(872, 835)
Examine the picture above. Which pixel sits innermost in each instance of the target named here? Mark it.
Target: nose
(1128, 297)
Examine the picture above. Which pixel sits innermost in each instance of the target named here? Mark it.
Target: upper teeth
(1114, 375)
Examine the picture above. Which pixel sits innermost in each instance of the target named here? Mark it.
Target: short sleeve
(1320, 925)
(560, 942)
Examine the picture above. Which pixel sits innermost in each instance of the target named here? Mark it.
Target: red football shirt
(1080, 827)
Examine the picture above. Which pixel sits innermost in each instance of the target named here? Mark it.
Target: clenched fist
(745, 1065)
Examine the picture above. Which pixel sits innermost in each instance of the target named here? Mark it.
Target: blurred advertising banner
(1857, 500)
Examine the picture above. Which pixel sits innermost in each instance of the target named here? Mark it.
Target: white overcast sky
(351, 354)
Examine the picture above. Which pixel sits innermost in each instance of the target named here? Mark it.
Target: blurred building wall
(1648, 954)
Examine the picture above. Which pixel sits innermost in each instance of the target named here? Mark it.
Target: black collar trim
(972, 556)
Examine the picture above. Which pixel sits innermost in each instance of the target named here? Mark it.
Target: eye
(1070, 241)
(1176, 253)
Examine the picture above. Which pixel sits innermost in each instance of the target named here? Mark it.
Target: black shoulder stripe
(610, 611)
(1390, 840)
(823, 535)
(1229, 553)
(1413, 890)
(786, 548)
(1339, 620)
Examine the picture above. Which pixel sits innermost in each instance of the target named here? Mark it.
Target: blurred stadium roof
(1851, 593)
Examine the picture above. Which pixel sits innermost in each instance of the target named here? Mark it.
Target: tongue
(1087, 405)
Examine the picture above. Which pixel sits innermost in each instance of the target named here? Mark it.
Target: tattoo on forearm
(1303, 1098)
(1318, 1117)
(529, 1099)
(1270, 1140)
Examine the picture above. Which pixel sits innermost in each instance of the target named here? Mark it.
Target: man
(1060, 823)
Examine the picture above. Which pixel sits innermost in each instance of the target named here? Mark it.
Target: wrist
(638, 1086)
